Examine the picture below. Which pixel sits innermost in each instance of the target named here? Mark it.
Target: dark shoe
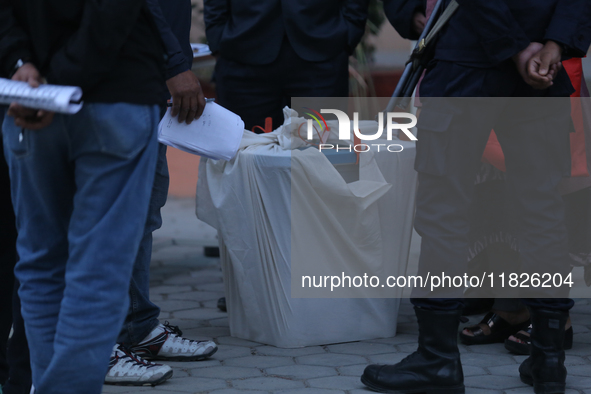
(435, 367)
(544, 369)
(522, 345)
(222, 304)
(477, 306)
(500, 330)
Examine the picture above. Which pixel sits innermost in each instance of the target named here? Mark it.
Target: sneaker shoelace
(134, 359)
(177, 335)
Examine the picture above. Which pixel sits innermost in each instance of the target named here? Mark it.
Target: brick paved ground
(187, 285)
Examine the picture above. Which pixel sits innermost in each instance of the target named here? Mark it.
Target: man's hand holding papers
(29, 118)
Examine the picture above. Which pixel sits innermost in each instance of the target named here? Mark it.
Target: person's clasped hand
(538, 64)
(188, 101)
(29, 118)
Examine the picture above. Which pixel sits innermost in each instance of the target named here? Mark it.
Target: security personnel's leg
(536, 145)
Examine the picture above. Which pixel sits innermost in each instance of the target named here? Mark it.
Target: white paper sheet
(53, 98)
(216, 134)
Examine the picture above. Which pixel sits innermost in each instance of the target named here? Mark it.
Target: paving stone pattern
(187, 285)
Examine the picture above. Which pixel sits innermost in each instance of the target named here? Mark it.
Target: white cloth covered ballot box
(249, 200)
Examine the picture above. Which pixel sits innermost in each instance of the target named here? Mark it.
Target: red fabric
(493, 153)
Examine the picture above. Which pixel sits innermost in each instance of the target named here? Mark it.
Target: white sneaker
(166, 343)
(128, 369)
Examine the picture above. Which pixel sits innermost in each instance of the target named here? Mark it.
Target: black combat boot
(544, 369)
(435, 367)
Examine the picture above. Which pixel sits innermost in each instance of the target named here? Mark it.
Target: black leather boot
(544, 369)
(435, 367)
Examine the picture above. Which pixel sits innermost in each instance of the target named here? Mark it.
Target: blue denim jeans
(80, 189)
(142, 316)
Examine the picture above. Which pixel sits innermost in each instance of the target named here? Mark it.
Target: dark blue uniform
(272, 50)
(473, 59)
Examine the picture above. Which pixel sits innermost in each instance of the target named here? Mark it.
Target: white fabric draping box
(249, 200)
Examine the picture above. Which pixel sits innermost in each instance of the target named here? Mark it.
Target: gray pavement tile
(392, 358)
(221, 322)
(407, 328)
(331, 359)
(473, 390)
(580, 308)
(237, 342)
(192, 385)
(117, 389)
(352, 370)
(217, 287)
(579, 328)
(168, 289)
(578, 382)
(190, 281)
(361, 348)
(180, 373)
(311, 390)
(397, 340)
(195, 296)
(199, 313)
(141, 390)
(206, 332)
(277, 351)
(582, 337)
(212, 303)
(226, 373)
(163, 315)
(504, 370)
(235, 391)
(529, 390)
(260, 361)
(493, 348)
(579, 370)
(577, 360)
(188, 365)
(470, 370)
(579, 349)
(267, 383)
(337, 382)
(493, 382)
(226, 352)
(364, 390)
(177, 305)
(301, 371)
(486, 360)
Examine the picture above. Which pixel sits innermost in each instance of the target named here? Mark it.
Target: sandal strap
(491, 319)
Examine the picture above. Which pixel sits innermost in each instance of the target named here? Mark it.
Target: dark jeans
(142, 317)
(256, 92)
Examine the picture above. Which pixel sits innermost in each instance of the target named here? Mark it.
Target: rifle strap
(443, 19)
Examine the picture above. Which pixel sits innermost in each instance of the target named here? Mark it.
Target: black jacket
(110, 48)
(484, 33)
(252, 31)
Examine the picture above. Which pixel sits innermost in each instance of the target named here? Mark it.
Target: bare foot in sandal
(495, 327)
(520, 343)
